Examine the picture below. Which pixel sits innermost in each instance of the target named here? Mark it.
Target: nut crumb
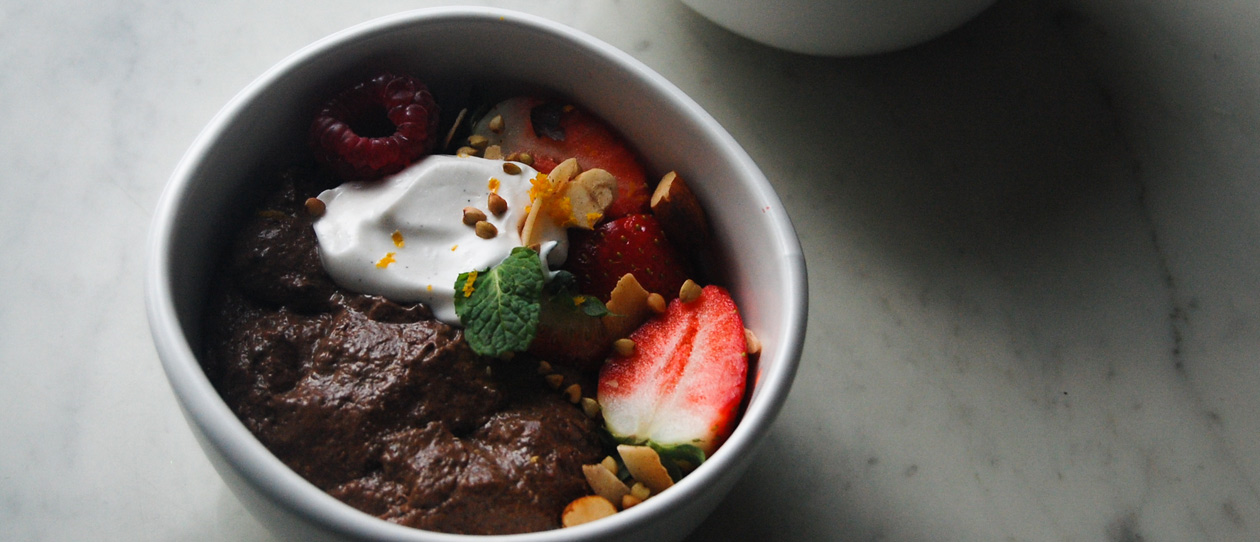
(624, 347)
(315, 207)
(689, 292)
(754, 344)
(486, 230)
(656, 302)
(554, 380)
(496, 204)
(473, 215)
(590, 407)
(640, 491)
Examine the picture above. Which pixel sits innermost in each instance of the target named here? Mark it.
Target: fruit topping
(680, 212)
(544, 134)
(570, 329)
(633, 244)
(376, 128)
(680, 389)
(569, 198)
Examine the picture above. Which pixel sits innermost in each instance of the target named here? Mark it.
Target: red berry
(685, 379)
(630, 244)
(376, 128)
(568, 336)
(552, 132)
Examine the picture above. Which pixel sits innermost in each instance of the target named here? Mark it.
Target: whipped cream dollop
(403, 237)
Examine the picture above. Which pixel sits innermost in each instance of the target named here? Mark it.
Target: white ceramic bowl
(839, 27)
(761, 260)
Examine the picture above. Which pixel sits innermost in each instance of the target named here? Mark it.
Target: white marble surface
(1033, 246)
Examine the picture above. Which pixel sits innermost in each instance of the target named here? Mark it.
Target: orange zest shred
(540, 187)
(398, 238)
(468, 284)
(384, 262)
(561, 210)
(542, 192)
(494, 185)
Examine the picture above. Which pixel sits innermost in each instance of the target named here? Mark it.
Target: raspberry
(376, 128)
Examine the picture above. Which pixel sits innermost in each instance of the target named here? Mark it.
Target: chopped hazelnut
(473, 215)
(554, 380)
(486, 230)
(754, 344)
(573, 393)
(656, 302)
(496, 204)
(590, 407)
(624, 347)
(641, 491)
(689, 292)
(315, 207)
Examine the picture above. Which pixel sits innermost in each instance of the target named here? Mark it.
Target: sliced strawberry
(630, 244)
(684, 382)
(551, 133)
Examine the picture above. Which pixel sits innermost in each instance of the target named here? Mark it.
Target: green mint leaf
(592, 306)
(675, 453)
(499, 309)
(561, 291)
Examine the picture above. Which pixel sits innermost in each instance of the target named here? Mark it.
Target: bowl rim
(211, 416)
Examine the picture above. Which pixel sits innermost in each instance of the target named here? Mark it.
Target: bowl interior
(458, 52)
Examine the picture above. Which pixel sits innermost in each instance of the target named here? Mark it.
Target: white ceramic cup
(839, 27)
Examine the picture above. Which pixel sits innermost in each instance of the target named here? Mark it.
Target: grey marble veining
(1032, 245)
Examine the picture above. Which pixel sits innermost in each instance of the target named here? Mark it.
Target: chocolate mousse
(378, 403)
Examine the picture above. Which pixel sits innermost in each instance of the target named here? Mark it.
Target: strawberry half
(630, 244)
(684, 381)
(552, 132)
